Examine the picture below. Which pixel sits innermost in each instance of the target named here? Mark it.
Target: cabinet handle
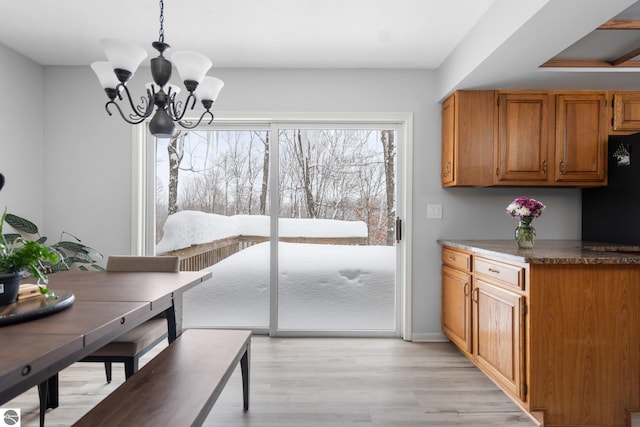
(447, 168)
(544, 166)
(466, 289)
(452, 258)
(493, 270)
(562, 170)
(474, 295)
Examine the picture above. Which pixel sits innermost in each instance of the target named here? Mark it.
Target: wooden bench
(179, 386)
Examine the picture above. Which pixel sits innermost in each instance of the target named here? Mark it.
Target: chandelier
(125, 58)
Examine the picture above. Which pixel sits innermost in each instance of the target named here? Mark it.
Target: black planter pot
(9, 287)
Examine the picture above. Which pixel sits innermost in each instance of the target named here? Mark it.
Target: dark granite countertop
(553, 251)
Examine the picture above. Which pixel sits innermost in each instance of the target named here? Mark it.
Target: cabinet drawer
(508, 274)
(456, 259)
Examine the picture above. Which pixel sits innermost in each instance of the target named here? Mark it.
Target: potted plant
(19, 256)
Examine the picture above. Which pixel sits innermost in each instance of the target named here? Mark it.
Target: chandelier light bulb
(209, 89)
(123, 55)
(106, 76)
(192, 66)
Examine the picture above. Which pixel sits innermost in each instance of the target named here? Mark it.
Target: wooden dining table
(105, 305)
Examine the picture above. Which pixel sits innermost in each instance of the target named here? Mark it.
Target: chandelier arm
(134, 118)
(176, 107)
(141, 112)
(146, 106)
(188, 124)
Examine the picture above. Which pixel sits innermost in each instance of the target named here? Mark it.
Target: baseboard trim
(429, 337)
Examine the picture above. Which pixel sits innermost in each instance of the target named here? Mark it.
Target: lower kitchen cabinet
(483, 308)
(560, 338)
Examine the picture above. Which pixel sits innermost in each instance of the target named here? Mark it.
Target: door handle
(398, 229)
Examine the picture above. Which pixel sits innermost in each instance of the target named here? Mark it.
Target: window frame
(143, 168)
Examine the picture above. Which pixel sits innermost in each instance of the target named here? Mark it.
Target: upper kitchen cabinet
(525, 138)
(626, 112)
(468, 123)
(524, 135)
(581, 138)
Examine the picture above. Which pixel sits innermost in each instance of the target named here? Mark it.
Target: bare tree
(176, 154)
(265, 174)
(341, 174)
(387, 137)
(303, 158)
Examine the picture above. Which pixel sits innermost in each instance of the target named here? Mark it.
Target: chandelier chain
(161, 34)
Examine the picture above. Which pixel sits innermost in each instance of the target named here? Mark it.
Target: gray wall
(86, 186)
(21, 127)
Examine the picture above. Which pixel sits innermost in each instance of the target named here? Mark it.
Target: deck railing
(197, 257)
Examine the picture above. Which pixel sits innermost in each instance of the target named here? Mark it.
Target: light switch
(434, 211)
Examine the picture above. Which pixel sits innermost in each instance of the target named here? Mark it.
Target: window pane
(336, 257)
(211, 209)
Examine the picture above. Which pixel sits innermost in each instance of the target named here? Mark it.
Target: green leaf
(77, 247)
(21, 224)
(78, 258)
(12, 237)
(60, 266)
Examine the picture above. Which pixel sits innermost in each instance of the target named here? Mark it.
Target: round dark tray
(34, 307)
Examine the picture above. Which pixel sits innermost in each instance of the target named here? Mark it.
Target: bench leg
(130, 366)
(244, 366)
(107, 371)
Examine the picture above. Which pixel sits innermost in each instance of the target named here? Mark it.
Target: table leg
(49, 396)
(170, 314)
(174, 318)
(53, 400)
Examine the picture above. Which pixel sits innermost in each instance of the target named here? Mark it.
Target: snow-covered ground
(320, 287)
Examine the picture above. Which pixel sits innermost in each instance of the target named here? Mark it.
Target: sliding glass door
(294, 220)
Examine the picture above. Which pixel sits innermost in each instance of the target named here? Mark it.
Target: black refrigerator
(611, 214)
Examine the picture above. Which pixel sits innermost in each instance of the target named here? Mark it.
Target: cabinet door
(522, 149)
(468, 129)
(456, 307)
(448, 129)
(498, 338)
(626, 111)
(581, 138)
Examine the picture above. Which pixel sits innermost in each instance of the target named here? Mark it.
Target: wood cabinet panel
(626, 111)
(468, 127)
(497, 335)
(523, 137)
(456, 259)
(456, 310)
(585, 357)
(508, 274)
(448, 135)
(581, 137)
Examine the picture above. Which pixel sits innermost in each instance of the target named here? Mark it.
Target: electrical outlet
(434, 211)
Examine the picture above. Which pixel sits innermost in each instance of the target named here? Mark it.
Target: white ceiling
(247, 33)
(471, 43)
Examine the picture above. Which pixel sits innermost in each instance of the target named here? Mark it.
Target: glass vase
(525, 233)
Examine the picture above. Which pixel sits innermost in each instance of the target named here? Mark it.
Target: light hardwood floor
(322, 382)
